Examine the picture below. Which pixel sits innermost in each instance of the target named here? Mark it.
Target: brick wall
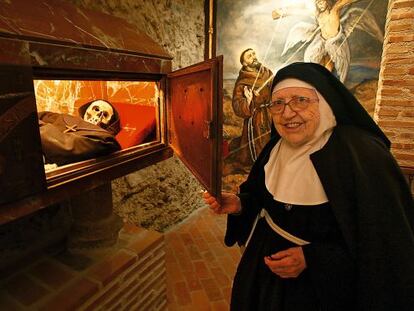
(395, 99)
(130, 276)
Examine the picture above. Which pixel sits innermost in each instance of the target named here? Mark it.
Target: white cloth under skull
(66, 138)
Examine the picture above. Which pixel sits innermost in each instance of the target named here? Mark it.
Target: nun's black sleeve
(374, 209)
(333, 273)
(239, 226)
(385, 222)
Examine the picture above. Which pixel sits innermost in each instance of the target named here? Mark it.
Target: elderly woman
(326, 216)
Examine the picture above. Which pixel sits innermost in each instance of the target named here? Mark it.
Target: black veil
(346, 108)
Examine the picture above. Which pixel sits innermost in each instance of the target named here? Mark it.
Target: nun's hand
(230, 203)
(288, 263)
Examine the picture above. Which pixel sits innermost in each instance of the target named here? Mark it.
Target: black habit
(369, 198)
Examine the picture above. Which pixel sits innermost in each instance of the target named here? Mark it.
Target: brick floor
(200, 269)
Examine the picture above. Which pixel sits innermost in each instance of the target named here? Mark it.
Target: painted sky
(243, 24)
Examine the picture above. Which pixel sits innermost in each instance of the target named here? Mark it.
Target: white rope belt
(250, 138)
(277, 229)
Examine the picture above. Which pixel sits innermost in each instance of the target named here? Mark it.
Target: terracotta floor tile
(174, 272)
(193, 251)
(169, 256)
(173, 306)
(200, 301)
(208, 236)
(186, 238)
(226, 293)
(200, 268)
(170, 236)
(221, 278)
(193, 281)
(195, 232)
(214, 264)
(235, 253)
(208, 256)
(202, 245)
(220, 305)
(212, 290)
(228, 265)
(187, 308)
(184, 261)
(217, 230)
(182, 294)
(177, 245)
(202, 226)
(218, 249)
(170, 295)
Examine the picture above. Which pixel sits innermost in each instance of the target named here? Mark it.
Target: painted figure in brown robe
(250, 96)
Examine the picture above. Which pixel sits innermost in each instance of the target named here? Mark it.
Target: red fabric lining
(137, 123)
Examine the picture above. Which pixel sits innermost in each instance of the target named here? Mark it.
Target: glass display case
(80, 108)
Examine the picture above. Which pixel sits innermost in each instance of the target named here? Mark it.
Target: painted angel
(326, 39)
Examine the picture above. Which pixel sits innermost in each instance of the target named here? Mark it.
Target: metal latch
(207, 131)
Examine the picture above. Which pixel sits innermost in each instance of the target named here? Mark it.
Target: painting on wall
(258, 38)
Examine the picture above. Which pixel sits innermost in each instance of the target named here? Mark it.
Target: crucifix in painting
(326, 38)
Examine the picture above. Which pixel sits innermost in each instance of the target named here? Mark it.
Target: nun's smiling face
(295, 114)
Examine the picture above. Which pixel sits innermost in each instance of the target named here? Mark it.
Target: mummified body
(66, 138)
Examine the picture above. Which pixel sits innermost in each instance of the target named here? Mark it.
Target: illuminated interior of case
(136, 102)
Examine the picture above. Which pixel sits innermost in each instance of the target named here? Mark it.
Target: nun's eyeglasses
(296, 103)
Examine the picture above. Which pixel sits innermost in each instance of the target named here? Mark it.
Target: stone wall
(164, 194)
(178, 26)
(395, 99)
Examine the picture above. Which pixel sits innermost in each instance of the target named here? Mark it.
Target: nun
(325, 216)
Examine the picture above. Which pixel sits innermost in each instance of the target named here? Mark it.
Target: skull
(99, 113)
